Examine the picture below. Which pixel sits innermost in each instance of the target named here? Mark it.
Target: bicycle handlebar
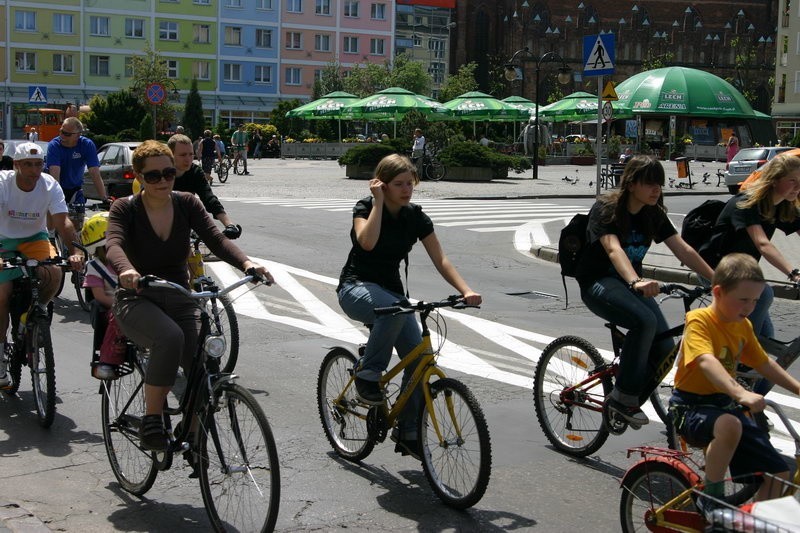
(20, 262)
(153, 281)
(406, 307)
(676, 290)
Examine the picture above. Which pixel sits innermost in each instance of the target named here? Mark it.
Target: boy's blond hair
(735, 268)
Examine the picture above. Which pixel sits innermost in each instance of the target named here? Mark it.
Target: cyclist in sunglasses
(148, 233)
(68, 155)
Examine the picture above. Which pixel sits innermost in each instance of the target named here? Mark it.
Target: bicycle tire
(228, 328)
(567, 361)
(647, 486)
(457, 467)
(77, 282)
(61, 251)
(345, 424)
(15, 356)
(238, 167)
(222, 172)
(659, 398)
(239, 470)
(43, 372)
(121, 409)
(435, 170)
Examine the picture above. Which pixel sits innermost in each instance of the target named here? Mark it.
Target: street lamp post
(563, 78)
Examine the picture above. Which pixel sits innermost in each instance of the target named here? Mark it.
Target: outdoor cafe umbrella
(522, 104)
(577, 107)
(682, 91)
(328, 107)
(393, 104)
(476, 106)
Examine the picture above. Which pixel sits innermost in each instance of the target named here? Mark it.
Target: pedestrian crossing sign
(598, 54)
(37, 95)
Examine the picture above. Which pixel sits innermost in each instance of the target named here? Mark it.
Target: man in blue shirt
(67, 157)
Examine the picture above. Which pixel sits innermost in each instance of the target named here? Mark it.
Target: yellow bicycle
(454, 437)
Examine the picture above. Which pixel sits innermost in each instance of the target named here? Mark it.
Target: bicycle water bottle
(23, 319)
(196, 268)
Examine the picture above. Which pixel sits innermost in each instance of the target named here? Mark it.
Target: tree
(287, 126)
(459, 83)
(365, 79)
(147, 128)
(118, 111)
(150, 68)
(330, 80)
(408, 74)
(193, 119)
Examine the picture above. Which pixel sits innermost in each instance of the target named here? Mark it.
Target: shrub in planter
(472, 154)
(366, 155)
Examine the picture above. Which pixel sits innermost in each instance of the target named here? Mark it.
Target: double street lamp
(564, 72)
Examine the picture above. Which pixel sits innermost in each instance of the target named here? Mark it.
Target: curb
(578, 195)
(673, 275)
(17, 519)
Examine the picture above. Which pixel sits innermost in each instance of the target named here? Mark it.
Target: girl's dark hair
(639, 169)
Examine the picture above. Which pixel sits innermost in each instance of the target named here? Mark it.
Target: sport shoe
(713, 510)
(102, 371)
(406, 446)
(5, 381)
(368, 392)
(632, 415)
(152, 434)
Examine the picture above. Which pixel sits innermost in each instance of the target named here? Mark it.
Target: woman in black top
(385, 227)
(749, 220)
(622, 225)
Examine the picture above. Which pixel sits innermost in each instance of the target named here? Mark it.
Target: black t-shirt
(596, 264)
(194, 181)
(736, 220)
(398, 234)
(208, 148)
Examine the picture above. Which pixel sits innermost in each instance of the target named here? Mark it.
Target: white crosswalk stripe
(481, 216)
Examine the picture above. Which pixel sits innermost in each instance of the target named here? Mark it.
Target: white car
(11, 146)
(747, 161)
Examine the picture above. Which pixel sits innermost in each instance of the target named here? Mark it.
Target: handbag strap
(103, 271)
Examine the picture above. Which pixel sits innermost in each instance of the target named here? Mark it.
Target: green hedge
(366, 155)
(472, 154)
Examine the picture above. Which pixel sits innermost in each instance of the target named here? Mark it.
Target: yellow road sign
(609, 94)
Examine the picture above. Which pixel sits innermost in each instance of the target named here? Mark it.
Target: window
(436, 70)
(26, 61)
(98, 26)
(233, 3)
(437, 47)
(263, 4)
(294, 6)
(134, 28)
(322, 43)
(172, 69)
(128, 67)
(62, 23)
(98, 65)
(232, 72)
(202, 33)
(263, 38)
(376, 46)
(292, 76)
(351, 45)
(351, 8)
(294, 40)
(378, 11)
(168, 31)
(323, 7)
(417, 40)
(233, 35)
(25, 21)
(203, 2)
(317, 74)
(263, 74)
(201, 70)
(62, 63)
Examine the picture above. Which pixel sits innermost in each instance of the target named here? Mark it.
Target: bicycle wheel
(345, 421)
(80, 292)
(61, 250)
(15, 356)
(435, 170)
(43, 371)
(227, 325)
(122, 408)
(222, 172)
(459, 463)
(238, 166)
(239, 473)
(648, 486)
(570, 427)
(660, 400)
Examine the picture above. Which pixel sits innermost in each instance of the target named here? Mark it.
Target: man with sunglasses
(27, 196)
(68, 155)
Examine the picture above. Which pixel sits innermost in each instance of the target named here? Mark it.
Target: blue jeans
(610, 299)
(358, 300)
(762, 324)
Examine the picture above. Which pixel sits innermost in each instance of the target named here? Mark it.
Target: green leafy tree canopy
(459, 83)
(193, 119)
(117, 111)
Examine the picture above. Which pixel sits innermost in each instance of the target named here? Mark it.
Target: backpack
(700, 232)
(571, 246)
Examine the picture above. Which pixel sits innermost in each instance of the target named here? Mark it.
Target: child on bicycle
(622, 225)
(704, 402)
(101, 280)
(385, 227)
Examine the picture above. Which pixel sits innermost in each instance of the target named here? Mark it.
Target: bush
(100, 139)
(366, 155)
(472, 154)
(128, 134)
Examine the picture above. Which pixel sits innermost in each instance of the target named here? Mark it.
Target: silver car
(11, 146)
(115, 169)
(747, 161)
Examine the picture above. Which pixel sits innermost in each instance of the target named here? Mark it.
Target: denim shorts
(694, 416)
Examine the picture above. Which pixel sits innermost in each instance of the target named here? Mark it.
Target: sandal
(152, 434)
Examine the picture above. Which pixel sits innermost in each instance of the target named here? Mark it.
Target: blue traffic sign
(37, 94)
(155, 93)
(599, 54)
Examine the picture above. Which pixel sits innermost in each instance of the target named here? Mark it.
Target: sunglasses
(69, 133)
(154, 176)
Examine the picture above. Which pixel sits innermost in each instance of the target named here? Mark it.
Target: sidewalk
(17, 519)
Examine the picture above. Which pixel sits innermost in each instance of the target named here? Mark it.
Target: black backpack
(700, 232)
(571, 245)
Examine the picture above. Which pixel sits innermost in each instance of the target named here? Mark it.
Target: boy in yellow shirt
(704, 404)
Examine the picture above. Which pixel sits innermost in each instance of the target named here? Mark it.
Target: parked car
(747, 161)
(115, 169)
(11, 146)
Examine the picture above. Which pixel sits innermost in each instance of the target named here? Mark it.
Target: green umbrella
(328, 107)
(393, 104)
(577, 107)
(476, 106)
(682, 91)
(523, 104)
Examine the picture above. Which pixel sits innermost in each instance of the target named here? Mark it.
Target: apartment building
(786, 106)
(247, 55)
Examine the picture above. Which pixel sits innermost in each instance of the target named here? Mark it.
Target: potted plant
(360, 161)
(583, 155)
(469, 161)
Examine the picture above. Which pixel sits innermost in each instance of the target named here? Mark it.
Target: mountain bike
(222, 432)
(454, 437)
(572, 381)
(659, 493)
(222, 167)
(31, 344)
